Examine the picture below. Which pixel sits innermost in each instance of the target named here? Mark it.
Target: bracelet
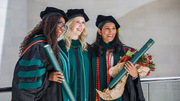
(133, 78)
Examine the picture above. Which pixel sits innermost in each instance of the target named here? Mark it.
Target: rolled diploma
(57, 67)
(135, 58)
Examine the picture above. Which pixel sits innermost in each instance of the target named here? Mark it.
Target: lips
(79, 29)
(109, 35)
(60, 31)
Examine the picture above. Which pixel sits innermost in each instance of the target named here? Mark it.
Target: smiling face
(108, 32)
(77, 27)
(60, 27)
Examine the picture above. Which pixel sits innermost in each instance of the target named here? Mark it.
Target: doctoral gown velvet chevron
(31, 74)
(80, 70)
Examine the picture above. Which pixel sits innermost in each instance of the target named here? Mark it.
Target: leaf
(129, 53)
(142, 60)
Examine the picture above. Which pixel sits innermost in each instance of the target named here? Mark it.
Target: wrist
(133, 78)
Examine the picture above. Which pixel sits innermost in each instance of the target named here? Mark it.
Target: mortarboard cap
(53, 11)
(72, 13)
(101, 20)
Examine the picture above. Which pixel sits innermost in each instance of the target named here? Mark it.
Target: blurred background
(139, 20)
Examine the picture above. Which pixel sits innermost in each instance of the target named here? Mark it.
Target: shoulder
(37, 42)
(89, 46)
(127, 47)
(61, 43)
(35, 48)
(92, 44)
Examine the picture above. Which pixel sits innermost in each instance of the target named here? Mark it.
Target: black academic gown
(133, 90)
(30, 81)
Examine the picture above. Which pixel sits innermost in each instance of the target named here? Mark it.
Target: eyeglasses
(61, 25)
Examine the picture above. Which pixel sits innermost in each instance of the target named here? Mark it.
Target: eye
(83, 22)
(107, 28)
(114, 28)
(60, 24)
(77, 22)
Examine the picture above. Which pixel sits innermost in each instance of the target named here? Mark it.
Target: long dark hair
(98, 44)
(48, 27)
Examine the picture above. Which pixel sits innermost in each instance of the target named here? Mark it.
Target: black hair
(48, 27)
(98, 44)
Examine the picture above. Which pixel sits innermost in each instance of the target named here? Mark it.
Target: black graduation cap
(72, 13)
(52, 11)
(101, 20)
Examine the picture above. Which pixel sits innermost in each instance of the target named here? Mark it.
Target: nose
(63, 28)
(80, 25)
(110, 31)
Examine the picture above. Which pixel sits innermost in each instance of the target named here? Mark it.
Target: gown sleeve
(138, 89)
(133, 90)
(30, 79)
(91, 86)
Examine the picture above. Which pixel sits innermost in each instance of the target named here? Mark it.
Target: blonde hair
(68, 38)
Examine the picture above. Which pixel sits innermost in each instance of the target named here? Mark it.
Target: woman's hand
(131, 69)
(56, 77)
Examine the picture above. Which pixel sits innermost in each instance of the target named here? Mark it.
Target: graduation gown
(101, 65)
(80, 71)
(31, 74)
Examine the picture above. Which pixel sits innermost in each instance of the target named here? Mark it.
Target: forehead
(109, 24)
(79, 18)
(62, 20)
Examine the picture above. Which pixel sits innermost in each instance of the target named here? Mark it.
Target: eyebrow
(79, 20)
(61, 22)
(109, 26)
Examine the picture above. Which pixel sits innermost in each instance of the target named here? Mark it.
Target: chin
(110, 40)
(59, 35)
(78, 34)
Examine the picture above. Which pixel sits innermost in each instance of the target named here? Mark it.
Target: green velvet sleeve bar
(57, 67)
(135, 58)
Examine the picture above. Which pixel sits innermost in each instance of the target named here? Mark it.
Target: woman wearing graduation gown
(107, 50)
(76, 49)
(34, 77)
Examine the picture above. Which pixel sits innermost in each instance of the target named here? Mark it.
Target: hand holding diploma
(131, 69)
(56, 77)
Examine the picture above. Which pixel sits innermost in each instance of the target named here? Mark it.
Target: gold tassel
(118, 32)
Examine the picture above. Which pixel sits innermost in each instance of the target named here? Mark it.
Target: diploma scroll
(135, 58)
(57, 67)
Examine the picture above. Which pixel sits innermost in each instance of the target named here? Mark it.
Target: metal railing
(150, 85)
(5, 89)
(162, 79)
